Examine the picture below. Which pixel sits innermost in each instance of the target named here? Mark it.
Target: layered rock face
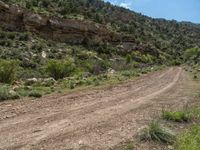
(14, 18)
(11, 17)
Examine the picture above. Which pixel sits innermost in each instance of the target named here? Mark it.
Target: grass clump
(196, 113)
(177, 116)
(130, 146)
(6, 94)
(157, 133)
(189, 140)
(35, 94)
(71, 85)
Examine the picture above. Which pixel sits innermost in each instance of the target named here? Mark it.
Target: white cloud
(125, 5)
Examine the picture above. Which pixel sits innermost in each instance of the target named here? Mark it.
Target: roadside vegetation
(6, 94)
(190, 139)
(186, 139)
(177, 116)
(178, 129)
(37, 87)
(158, 133)
(31, 66)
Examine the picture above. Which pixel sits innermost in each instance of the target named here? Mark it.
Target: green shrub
(95, 66)
(35, 94)
(96, 83)
(128, 73)
(24, 37)
(71, 85)
(59, 69)
(130, 146)
(192, 53)
(178, 116)
(157, 133)
(2, 35)
(147, 58)
(6, 94)
(105, 49)
(175, 62)
(11, 35)
(128, 59)
(195, 77)
(8, 70)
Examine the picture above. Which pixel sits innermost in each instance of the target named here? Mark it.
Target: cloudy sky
(181, 10)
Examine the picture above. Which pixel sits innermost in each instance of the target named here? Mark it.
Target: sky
(180, 10)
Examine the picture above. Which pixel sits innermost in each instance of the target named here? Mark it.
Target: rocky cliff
(14, 18)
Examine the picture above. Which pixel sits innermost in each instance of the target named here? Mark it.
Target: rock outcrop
(14, 18)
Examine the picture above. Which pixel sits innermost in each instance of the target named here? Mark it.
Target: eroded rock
(15, 18)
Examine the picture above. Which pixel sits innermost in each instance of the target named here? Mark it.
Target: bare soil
(93, 119)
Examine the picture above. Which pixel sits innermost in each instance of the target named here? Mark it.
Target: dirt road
(95, 119)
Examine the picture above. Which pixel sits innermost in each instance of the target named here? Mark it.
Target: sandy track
(95, 119)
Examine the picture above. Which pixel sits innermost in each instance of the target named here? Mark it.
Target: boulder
(31, 81)
(3, 6)
(48, 81)
(110, 71)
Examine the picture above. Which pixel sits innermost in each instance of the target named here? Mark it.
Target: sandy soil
(92, 119)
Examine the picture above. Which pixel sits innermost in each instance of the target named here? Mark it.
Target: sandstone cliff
(14, 18)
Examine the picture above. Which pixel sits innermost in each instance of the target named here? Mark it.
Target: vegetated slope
(159, 34)
(92, 46)
(87, 37)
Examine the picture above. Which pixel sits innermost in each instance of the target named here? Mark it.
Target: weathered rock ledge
(14, 18)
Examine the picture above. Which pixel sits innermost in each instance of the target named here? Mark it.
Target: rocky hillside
(49, 45)
(27, 33)
(14, 18)
(170, 37)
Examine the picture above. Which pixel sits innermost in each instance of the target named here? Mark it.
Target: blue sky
(180, 10)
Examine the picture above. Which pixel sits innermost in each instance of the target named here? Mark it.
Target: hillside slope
(72, 41)
(157, 34)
